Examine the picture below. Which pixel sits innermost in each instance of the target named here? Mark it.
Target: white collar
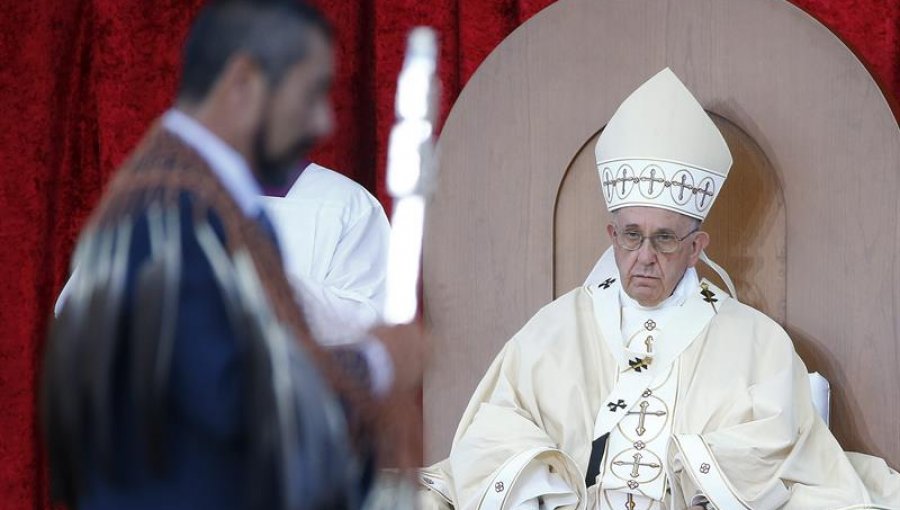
(228, 165)
(685, 287)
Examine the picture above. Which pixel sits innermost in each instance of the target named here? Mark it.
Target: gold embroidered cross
(708, 296)
(642, 415)
(637, 464)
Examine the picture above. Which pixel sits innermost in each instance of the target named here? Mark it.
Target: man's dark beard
(272, 171)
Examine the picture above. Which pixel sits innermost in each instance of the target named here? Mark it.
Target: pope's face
(647, 276)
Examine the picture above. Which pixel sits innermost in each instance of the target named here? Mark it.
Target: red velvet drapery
(80, 80)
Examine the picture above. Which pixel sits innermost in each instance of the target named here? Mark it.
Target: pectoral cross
(636, 465)
(642, 415)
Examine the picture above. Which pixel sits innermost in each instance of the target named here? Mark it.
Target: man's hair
(276, 33)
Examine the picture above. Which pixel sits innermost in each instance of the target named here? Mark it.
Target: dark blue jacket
(207, 427)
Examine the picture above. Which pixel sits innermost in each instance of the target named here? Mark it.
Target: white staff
(410, 173)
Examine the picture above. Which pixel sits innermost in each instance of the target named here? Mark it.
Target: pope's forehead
(650, 217)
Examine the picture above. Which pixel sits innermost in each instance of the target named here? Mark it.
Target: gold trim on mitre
(661, 149)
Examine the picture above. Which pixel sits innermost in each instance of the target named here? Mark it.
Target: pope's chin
(644, 290)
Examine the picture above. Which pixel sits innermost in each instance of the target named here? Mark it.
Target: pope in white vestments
(334, 237)
(650, 389)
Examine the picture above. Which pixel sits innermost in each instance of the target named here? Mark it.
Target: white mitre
(660, 149)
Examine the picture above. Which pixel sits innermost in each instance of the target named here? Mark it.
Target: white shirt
(334, 237)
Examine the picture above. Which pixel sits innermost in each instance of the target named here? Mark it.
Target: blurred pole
(411, 178)
(411, 173)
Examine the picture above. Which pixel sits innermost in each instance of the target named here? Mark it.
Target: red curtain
(81, 80)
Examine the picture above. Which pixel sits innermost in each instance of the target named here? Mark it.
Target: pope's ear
(611, 232)
(700, 242)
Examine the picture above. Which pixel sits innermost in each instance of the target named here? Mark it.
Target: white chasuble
(740, 429)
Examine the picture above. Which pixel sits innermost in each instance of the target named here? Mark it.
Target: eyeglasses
(664, 243)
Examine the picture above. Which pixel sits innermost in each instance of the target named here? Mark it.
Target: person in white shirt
(334, 239)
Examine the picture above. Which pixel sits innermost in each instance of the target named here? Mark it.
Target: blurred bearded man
(180, 373)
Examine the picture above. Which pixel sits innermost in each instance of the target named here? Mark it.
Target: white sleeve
(540, 489)
(358, 270)
(334, 316)
(335, 254)
(349, 298)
